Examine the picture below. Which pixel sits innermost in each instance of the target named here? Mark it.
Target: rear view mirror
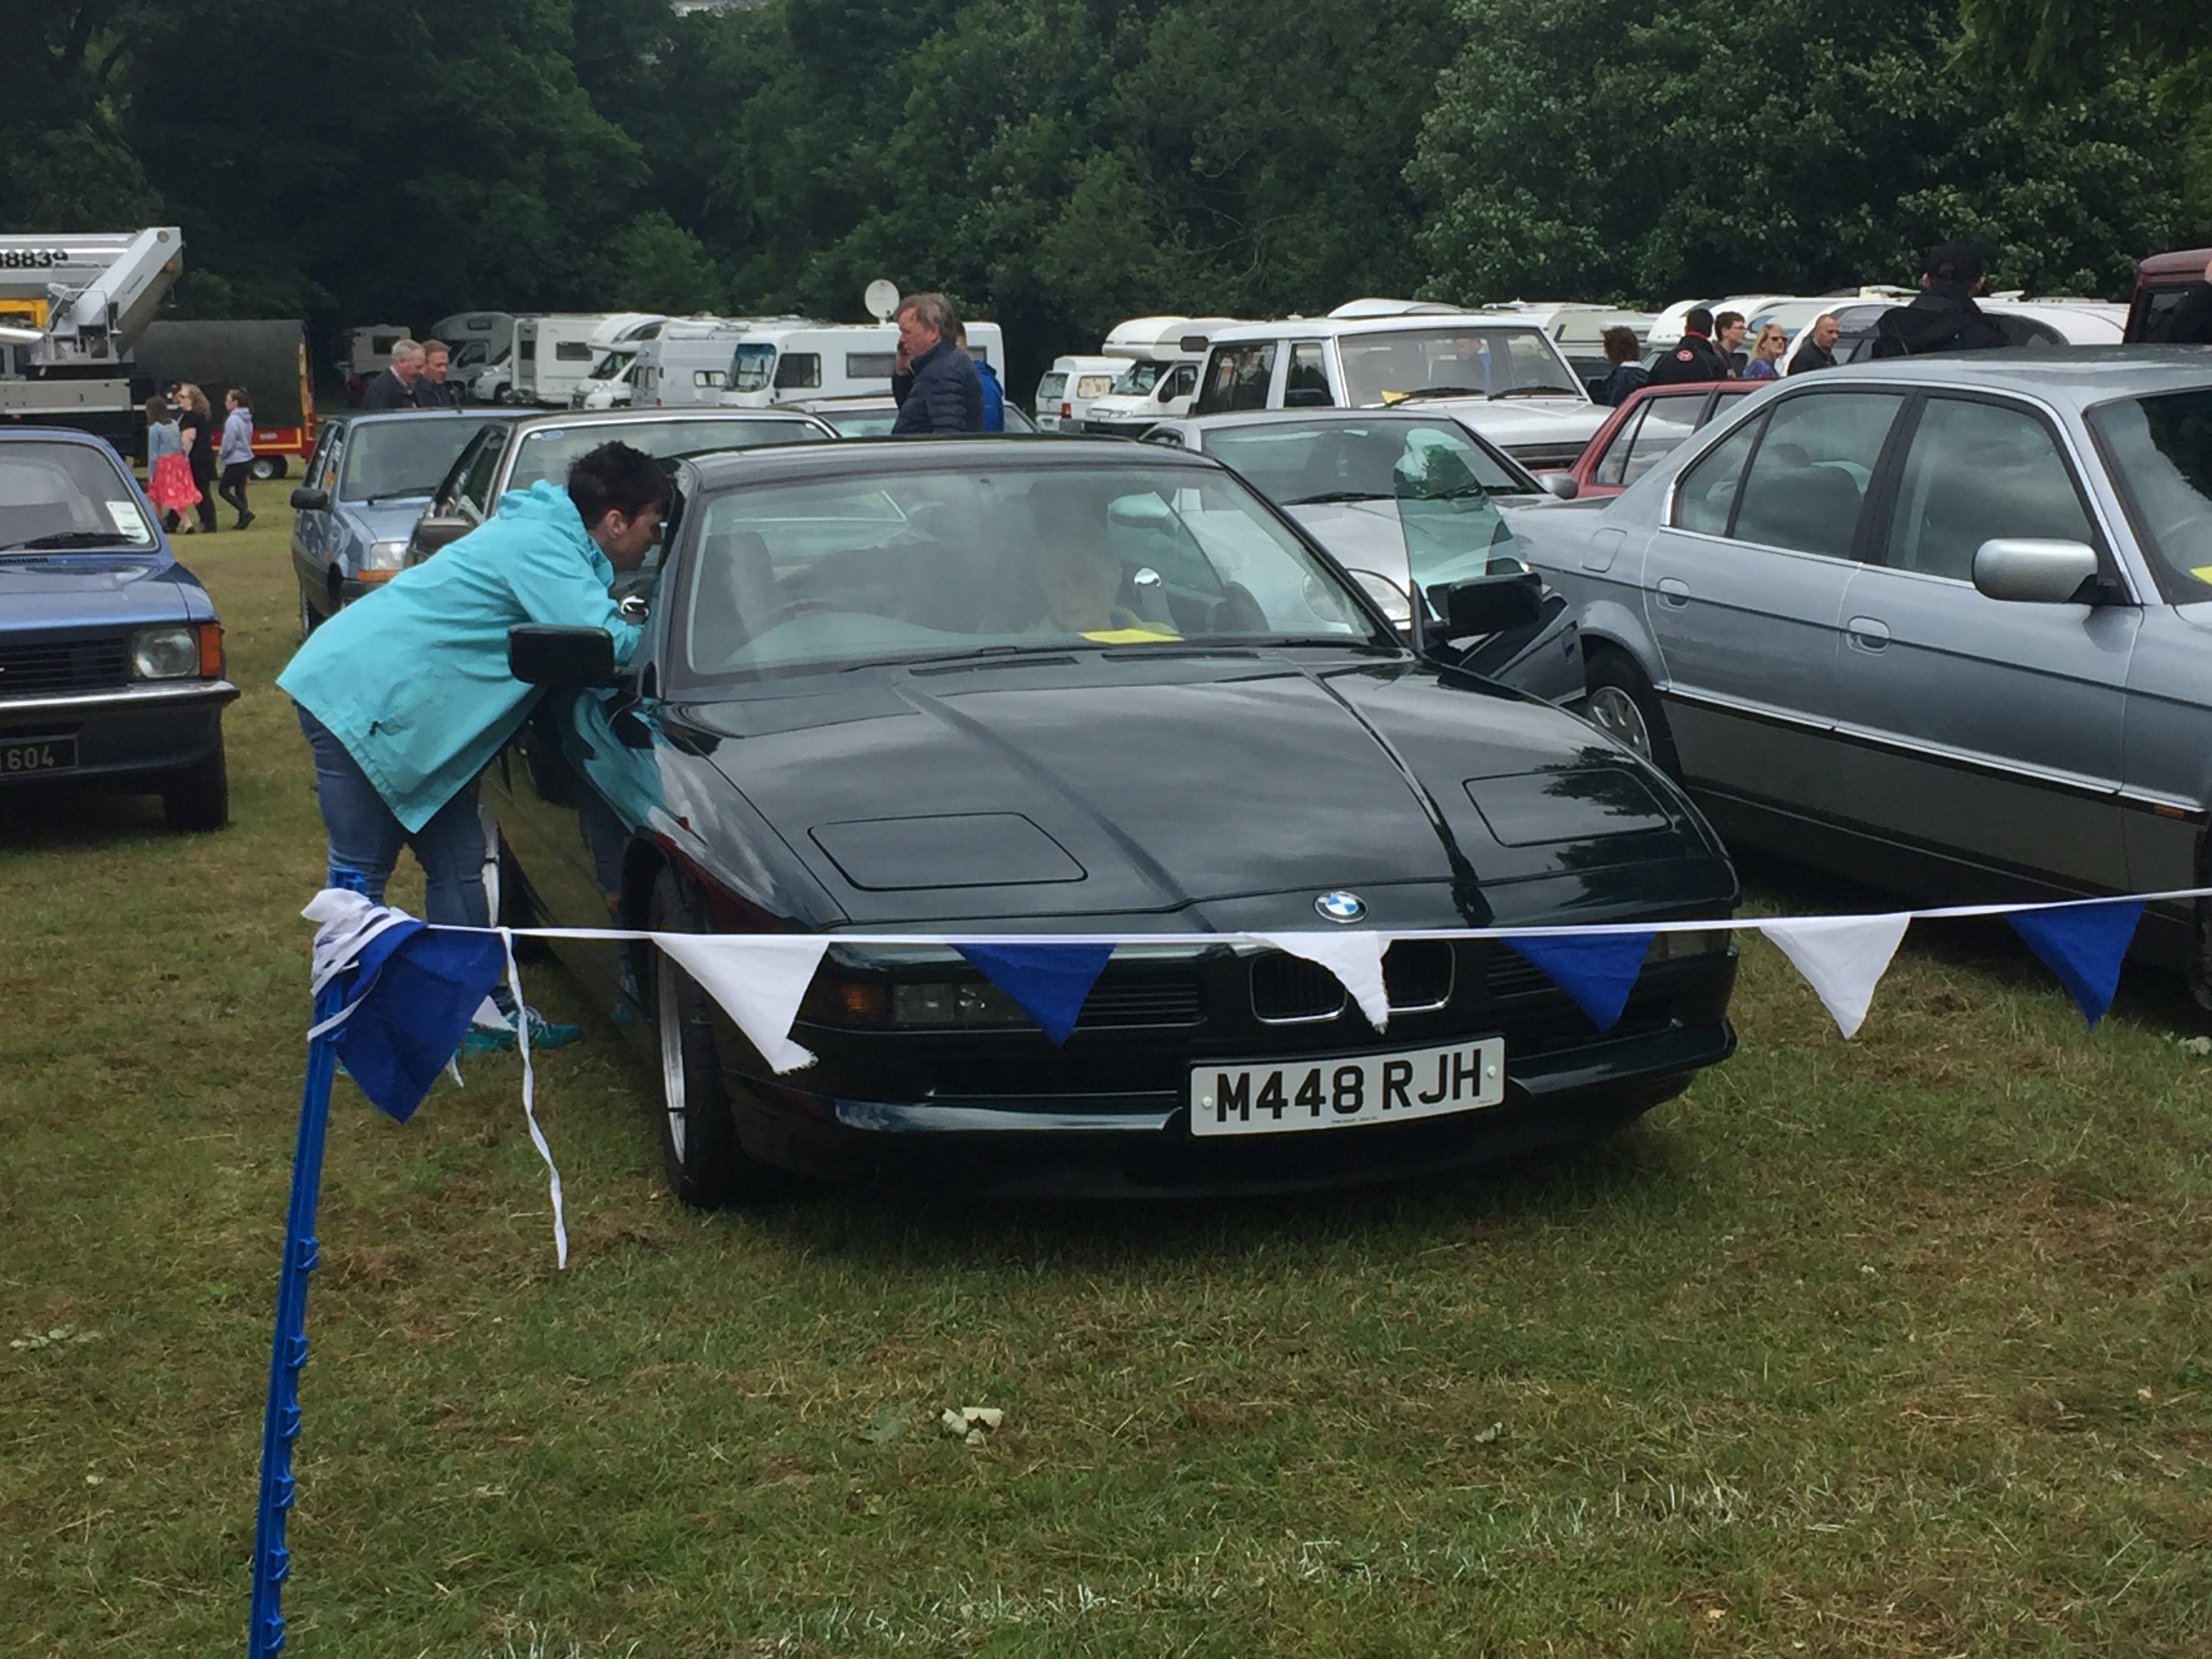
(436, 529)
(539, 655)
(305, 500)
(1487, 604)
(2033, 572)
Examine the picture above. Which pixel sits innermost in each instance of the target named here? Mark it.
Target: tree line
(1060, 164)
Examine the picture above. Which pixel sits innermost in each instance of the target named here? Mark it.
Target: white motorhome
(687, 364)
(475, 339)
(368, 348)
(1164, 356)
(1499, 376)
(1070, 387)
(783, 362)
(554, 353)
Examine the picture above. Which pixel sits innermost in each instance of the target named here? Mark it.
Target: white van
(1069, 387)
(1500, 377)
(1164, 354)
(475, 339)
(368, 349)
(687, 364)
(786, 361)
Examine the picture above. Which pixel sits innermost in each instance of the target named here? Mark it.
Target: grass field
(1893, 1347)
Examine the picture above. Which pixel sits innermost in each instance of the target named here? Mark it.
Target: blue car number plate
(1343, 1090)
(23, 757)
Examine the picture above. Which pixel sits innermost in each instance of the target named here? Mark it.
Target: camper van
(475, 339)
(553, 354)
(783, 362)
(687, 364)
(1161, 380)
(1070, 387)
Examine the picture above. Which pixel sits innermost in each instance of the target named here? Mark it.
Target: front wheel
(1624, 705)
(198, 798)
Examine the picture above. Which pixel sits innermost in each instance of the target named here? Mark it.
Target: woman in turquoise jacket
(404, 696)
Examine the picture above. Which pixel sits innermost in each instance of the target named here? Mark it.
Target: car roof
(1403, 323)
(2078, 374)
(2181, 262)
(635, 416)
(1315, 417)
(11, 432)
(787, 463)
(377, 416)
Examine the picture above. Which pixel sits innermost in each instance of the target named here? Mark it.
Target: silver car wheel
(668, 1015)
(1614, 712)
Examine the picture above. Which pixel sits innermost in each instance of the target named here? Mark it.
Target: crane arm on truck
(88, 295)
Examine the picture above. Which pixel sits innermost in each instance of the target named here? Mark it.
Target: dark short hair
(239, 392)
(1725, 318)
(1954, 262)
(931, 310)
(157, 410)
(1698, 321)
(615, 478)
(1620, 344)
(429, 346)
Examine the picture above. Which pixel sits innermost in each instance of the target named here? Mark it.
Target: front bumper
(131, 731)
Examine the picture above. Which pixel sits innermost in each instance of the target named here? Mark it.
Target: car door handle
(1673, 590)
(1868, 634)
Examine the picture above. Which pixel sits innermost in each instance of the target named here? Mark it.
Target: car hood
(77, 590)
(1118, 784)
(1522, 419)
(387, 519)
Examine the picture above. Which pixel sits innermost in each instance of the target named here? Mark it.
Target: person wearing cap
(1944, 317)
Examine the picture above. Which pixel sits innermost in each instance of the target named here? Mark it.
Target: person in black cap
(1944, 317)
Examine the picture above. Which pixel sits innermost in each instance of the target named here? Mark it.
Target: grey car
(1944, 624)
(1406, 502)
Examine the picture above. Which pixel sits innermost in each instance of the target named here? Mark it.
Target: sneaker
(499, 1039)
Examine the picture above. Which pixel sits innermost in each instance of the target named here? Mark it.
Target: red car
(1652, 421)
(2160, 283)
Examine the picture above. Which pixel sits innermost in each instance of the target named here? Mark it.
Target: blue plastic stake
(288, 1353)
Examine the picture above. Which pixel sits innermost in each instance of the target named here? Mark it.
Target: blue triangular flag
(1597, 970)
(1049, 981)
(2083, 944)
(412, 993)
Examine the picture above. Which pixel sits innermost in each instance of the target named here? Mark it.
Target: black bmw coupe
(999, 687)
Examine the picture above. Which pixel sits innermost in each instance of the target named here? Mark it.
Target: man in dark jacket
(432, 389)
(394, 388)
(1944, 317)
(1817, 349)
(1696, 358)
(934, 379)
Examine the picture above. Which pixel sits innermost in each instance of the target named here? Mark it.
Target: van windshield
(753, 368)
(1140, 378)
(1463, 360)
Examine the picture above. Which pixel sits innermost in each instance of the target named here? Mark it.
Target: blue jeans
(365, 837)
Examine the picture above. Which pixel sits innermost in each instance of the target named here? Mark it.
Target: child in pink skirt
(169, 484)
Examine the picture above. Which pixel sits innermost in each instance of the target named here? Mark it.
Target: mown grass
(1896, 1346)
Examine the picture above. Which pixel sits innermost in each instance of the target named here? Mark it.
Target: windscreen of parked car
(407, 456)
(1463, 360)
(905, 565)
(2159, 451)
(549, 451)
(55, 497)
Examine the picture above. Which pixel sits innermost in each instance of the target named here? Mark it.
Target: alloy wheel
(668, 1015)
(1613, 712)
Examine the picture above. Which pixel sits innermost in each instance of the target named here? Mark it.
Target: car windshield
(960, 561)
(407, 456)
(548, 452)
(2159, 450)
(1140, 378)
(1465, 360)
(752, 368)
(58, 497)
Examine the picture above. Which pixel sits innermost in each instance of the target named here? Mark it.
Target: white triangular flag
(758, 978)
(1356, 959)
(1842, 958)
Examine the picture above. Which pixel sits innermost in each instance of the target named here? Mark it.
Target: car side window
(1237, 377)
(1611, 464)
(1977, 471)
(1667, 421)
(1706, 496)
(476, 484)
(1306, 384)
(1808, 477)
(333, 453)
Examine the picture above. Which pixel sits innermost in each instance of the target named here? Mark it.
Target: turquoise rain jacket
(412, 678)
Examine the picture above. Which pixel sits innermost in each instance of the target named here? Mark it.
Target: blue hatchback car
(111, 656)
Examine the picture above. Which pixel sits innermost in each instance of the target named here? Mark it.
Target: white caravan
(1161, 380)
(783, 362)
(687, 364)
(554, 353)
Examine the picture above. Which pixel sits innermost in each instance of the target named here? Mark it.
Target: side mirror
(305, 500)
(2033, 572)
(539, 655)
(1487, 604)
(1561, 484)
(436, 529)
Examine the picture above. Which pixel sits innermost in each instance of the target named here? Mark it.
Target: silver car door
(1743, 591)
(1982, 727)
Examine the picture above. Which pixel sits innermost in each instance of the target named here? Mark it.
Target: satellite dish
(882, 299)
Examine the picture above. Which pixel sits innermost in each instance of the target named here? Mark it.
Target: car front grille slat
(62, 666)
(1147, 999)
(1287, 988)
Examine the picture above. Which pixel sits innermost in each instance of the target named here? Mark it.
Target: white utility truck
(70, 307)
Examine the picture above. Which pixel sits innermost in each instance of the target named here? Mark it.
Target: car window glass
(1305, 383)
(1050, 387)
(1809, 477)
(61, 495)
(2158, 451)
(331, 457)
(1667, 421)
(1460, 359)
(548, 452)
(477, 484)
(1237, 377)
(798, 370)
(1704, 497)
(1613, 462)
(1977, 471)
(403, 457)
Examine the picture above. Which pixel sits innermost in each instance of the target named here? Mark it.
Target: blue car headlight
(165, 654)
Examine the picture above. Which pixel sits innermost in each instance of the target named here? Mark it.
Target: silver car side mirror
(2033, 572)
(1561, 484)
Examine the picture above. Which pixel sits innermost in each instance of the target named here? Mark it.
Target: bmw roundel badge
(1342, 907)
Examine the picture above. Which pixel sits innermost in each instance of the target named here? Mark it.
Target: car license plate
(20, 758)
(1343, 1091)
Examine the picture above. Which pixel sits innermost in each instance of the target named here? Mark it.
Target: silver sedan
(1944, 624)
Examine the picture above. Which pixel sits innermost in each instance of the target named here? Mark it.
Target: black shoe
(244, 519)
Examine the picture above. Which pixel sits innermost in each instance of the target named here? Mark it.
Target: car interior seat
(737, 581)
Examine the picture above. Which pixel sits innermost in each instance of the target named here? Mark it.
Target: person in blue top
(994, 395)
(404, 696)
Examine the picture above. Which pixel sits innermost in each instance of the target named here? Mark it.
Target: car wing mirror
(1487, 605)
(433, 531)
(563, 657)
(1561, 484)
(2030, 571)
(307, 499)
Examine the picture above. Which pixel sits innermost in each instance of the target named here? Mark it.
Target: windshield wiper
(950, 657)
(1441, 391)
(1340, 496)
(61, 538)
(1532, 392)
(1468, 492)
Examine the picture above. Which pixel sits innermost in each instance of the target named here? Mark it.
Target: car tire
(263, 468)
(308, 616)
(1623, 704)
(699, 1153)
(198, 798)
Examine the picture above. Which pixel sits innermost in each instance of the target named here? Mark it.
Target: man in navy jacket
(934, 379)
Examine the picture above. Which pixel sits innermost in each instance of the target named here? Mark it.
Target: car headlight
(185, 651)
(1699, 942)
(382, 560)
(907, 1004)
